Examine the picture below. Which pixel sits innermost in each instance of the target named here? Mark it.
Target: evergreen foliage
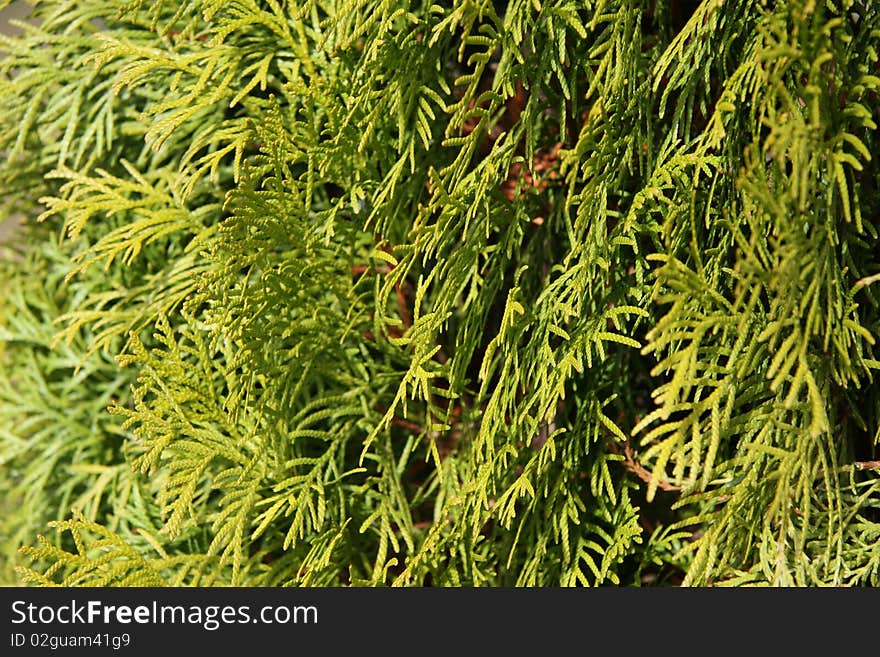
(371, 292)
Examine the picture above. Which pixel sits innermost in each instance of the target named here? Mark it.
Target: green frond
(441, 293)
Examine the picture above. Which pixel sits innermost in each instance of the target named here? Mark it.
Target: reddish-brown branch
(406, 424)
(543, 170)
(404, 311)
(639, 470)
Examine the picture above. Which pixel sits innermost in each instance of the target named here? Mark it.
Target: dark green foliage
(357, 292)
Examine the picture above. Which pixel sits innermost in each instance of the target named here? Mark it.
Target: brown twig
(404, 311)
(406, 424)
(867, 465)
(639, 470)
